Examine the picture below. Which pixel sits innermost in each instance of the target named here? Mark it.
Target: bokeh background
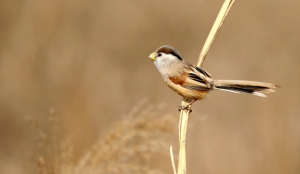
(87, 63)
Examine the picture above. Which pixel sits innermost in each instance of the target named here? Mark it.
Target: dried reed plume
(126, 148)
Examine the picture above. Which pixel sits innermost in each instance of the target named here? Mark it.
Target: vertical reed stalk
(184, 114)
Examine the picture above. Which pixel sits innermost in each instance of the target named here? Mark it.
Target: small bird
(194, 83)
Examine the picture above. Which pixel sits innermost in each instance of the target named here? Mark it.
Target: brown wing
(195, 79)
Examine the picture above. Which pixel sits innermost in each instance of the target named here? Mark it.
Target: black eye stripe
(176, 55)
(169, 50)
(173, 53)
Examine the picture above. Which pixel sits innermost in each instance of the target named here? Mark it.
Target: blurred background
(86, 63)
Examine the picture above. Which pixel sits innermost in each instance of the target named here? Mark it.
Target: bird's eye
(159, 54)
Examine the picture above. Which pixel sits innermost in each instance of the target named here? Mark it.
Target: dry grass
(126, 148)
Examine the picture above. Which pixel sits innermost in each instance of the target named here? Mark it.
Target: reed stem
(184, 114)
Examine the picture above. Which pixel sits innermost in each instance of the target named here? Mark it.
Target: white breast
(168, 65)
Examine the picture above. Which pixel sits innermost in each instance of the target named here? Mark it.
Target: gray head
(165, 59)
(165, 50)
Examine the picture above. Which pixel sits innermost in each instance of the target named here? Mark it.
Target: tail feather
(251, 87)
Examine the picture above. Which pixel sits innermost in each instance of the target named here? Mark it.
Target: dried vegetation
(126, 148)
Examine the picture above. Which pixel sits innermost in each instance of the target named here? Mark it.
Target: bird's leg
(180, 107)
(187, 106)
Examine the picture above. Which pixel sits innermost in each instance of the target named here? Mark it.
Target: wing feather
(194, 79)
(195, 82)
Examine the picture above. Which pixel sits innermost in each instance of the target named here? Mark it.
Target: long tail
(251, 87)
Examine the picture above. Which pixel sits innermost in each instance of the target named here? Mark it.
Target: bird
(195, 83)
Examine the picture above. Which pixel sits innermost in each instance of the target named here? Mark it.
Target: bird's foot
(180, 107)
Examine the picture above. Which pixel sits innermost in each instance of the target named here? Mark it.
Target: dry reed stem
(214, 31)
(184, 117)
(172, 160)
(184, 114)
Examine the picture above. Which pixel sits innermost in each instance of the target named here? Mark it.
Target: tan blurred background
(87, 63)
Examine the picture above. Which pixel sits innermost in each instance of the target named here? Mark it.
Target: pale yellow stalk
(184, 114)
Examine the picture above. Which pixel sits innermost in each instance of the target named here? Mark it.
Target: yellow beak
(152, 56)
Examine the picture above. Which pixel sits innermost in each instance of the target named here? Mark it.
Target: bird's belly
(187, 93)
(192, 94)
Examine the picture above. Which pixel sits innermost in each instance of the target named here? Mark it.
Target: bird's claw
(180, 107)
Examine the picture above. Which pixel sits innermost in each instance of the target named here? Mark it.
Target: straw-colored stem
(172, 160)
(214, 31)
(184, 114)
(183, 123)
